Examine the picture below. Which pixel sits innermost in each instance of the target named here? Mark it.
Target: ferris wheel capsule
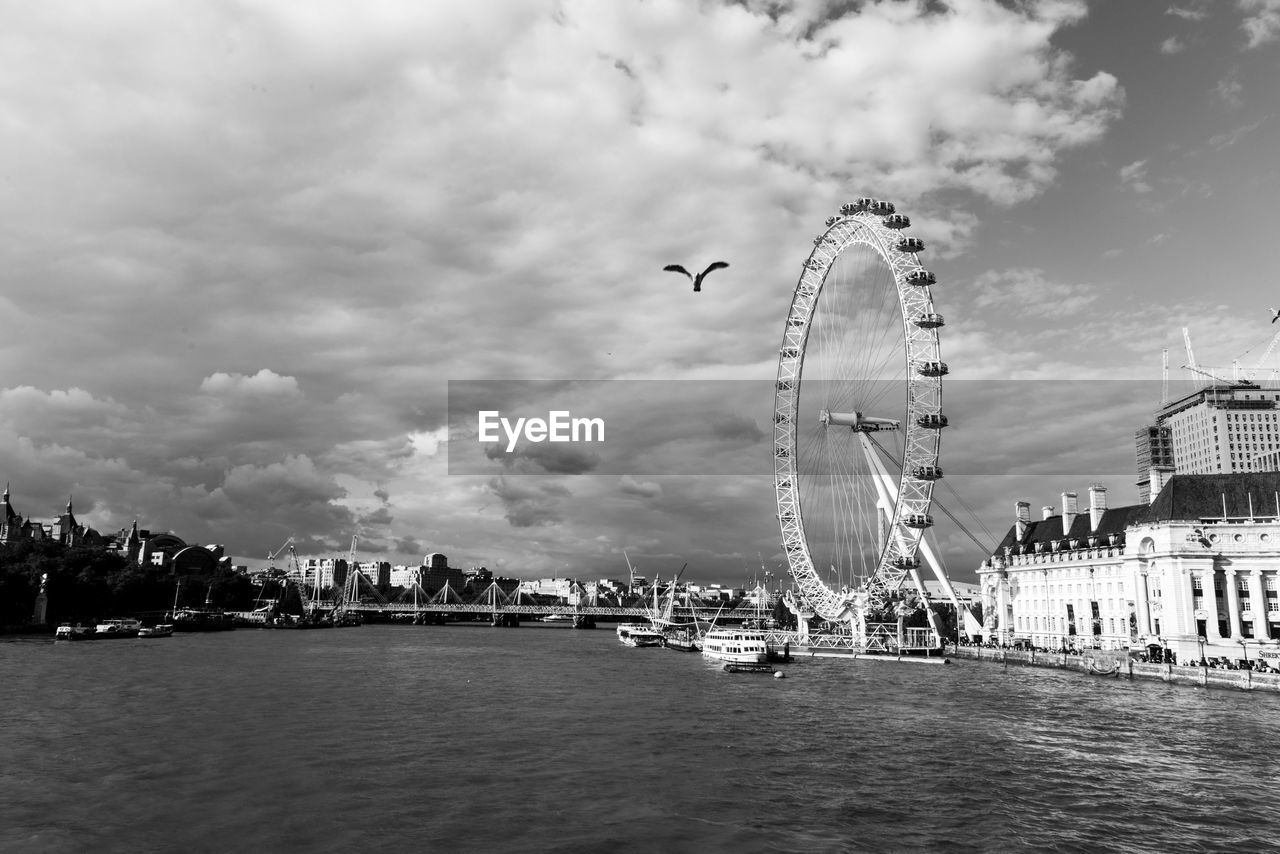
(909, 244)
(932, 422)
(928, 321)
(880, 207)
(832, 220)
(931, 369)
(926, 473)
(921, 278)
(897, 221)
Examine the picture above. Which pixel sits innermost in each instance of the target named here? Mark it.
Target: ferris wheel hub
(856, 420)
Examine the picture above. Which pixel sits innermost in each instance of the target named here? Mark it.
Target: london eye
(858, 415)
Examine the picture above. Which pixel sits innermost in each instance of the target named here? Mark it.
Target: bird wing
(718, 265)
(676, 268)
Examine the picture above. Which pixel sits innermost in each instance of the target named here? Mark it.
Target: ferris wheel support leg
(934, 625)
(941, 575)
(802, 617)
(888, 495)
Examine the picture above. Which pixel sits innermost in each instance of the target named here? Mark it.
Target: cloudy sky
(249, 249)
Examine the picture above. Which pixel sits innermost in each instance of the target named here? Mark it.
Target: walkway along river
(1121, 665)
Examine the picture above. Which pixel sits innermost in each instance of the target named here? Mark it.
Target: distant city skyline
(246, 255)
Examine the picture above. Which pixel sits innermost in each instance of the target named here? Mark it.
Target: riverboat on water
(682, 639)
(202, 620)
(735, 645)
(66, 631)
(636, 634)
(103, 631)
(160, 630)
(557, 618)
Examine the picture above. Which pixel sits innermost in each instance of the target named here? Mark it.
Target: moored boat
(160, 630)
(201, 620)
(682, 639)
(66, 631)
(637, 634)
(118, 628)
(735, 645)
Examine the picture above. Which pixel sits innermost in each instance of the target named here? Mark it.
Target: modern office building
(1223, 427)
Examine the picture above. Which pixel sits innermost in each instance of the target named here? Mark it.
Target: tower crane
(271, 556)
(1250, 374)
(1164, 377)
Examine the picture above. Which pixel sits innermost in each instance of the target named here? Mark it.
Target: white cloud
(1195, 14)
(1261, 22)
(1035, 295)
(1134, 176)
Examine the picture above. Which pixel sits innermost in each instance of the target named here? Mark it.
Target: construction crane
(1164, 378)
(1207, 373)
(1249, 374)
(271, 556)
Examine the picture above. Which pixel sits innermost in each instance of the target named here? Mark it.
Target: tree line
(89, 584)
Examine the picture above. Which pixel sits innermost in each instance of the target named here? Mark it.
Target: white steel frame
(870, 223)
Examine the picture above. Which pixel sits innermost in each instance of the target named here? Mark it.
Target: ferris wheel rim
(873, 224)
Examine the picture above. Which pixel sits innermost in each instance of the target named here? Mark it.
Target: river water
(468, 738)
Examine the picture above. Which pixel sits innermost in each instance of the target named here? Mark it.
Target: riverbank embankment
(1118, 665)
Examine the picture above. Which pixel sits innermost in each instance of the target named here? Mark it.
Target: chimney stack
(1022, 515)
(1046, 511)
(1159, 477)
(1069, 511)
(1097, 504)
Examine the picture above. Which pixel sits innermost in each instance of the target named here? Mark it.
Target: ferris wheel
(858, 414)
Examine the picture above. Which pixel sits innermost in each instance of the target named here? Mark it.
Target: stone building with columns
(1195, 571)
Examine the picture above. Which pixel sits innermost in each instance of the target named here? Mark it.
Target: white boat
(66, 631)
(161, 630)
(117, 629)
(637, 634)
(557, 618)
(735, 645)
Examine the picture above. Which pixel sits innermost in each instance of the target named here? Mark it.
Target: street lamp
(1201, 640)
(1244, 649)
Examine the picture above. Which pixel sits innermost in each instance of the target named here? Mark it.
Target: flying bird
(697, 280)
(1275, 312)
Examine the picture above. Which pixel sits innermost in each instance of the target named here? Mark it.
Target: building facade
(1221, 428)
(64, 529)
(1195, 572)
